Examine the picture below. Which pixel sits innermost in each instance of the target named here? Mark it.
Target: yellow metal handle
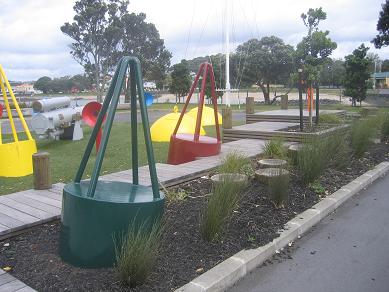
(9, 112)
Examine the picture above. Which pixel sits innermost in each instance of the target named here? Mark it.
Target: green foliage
(279, 189)
(385, 65)
(176, 195)
(43, 84)
(330, 119)
(385, 125)
(357, 74)
(315, 48)
(275, 148)
(382, 39)
(103, 31)
(234, 162)
(361, 132)
(317, 188)
(224, 198)
(267, 60)
(312, 159)
(339, 151)
(136, 253)
(332, 73)
(181, 80)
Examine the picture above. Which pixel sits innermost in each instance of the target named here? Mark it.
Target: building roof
(380, 75)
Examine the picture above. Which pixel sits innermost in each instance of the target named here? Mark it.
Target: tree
(357, 74)
(385, 65)
(96, 33)
(181, 80)
(315, 48)
(332, 73)
(81, 82)
(374, 62)
(382, 38)
(142, 40)
(43, 84)
(264, 61)
(103, 31)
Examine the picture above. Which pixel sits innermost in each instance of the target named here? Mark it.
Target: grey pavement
(121, 116)
(347, 251)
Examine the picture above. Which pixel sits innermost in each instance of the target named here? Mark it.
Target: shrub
(361, 133)
(136, 253)
(312, 159)
(279, 189)
(236, 163)
(317, 188)
(224, 198)
(330, 119)
(385, 125)
(338, 150)
(274, 148)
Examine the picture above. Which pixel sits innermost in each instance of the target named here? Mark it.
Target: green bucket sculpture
(94, 211)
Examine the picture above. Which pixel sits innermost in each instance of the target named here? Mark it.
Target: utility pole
(300, 71)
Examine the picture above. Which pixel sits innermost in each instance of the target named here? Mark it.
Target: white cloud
(32, 44)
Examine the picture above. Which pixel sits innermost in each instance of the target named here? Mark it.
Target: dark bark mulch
(184, 254)
(308, 129)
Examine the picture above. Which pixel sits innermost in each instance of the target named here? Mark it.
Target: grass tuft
(136, 253)
(330, 119)
(385, 125)
(224, 199)
(234, 162)
(274, 148)
(361, 133)
(312, 159)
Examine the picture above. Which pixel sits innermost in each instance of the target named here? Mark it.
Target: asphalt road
(121, 116)
(347, 251)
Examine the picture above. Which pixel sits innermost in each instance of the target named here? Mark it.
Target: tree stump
(293, 152)
(230, 177)
(284, 102)
(41, 167)
(267, 175)
(227, 118)
(250, 105)
(272, 163)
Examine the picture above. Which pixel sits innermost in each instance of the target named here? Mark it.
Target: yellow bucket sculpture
(208, 116)
(163, 128)
(16, 156)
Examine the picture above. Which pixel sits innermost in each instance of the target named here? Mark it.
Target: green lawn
(65, 156)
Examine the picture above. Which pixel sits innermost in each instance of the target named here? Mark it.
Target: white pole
(228, 86)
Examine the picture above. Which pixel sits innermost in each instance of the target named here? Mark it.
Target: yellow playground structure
(15, 155)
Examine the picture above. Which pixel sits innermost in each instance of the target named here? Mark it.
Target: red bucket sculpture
(186, 147)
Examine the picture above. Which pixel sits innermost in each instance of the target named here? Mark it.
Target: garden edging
(231, 270)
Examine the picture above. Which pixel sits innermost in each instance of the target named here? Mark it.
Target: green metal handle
(110, 104)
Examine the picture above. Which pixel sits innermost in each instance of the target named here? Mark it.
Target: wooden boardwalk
(24, 209)
(8, 283)
(269, 130)
(289, 115)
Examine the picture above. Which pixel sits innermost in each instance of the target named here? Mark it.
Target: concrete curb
(228, 272)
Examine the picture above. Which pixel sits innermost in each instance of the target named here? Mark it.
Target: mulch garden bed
(184, 254)
(308, 129)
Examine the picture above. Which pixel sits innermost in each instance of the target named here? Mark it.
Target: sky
(33, 46)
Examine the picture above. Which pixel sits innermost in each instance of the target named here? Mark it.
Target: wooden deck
(289, 115)
(269, 130)
(8, 283)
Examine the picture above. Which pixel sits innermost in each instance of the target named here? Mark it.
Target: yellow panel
(16, 158)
